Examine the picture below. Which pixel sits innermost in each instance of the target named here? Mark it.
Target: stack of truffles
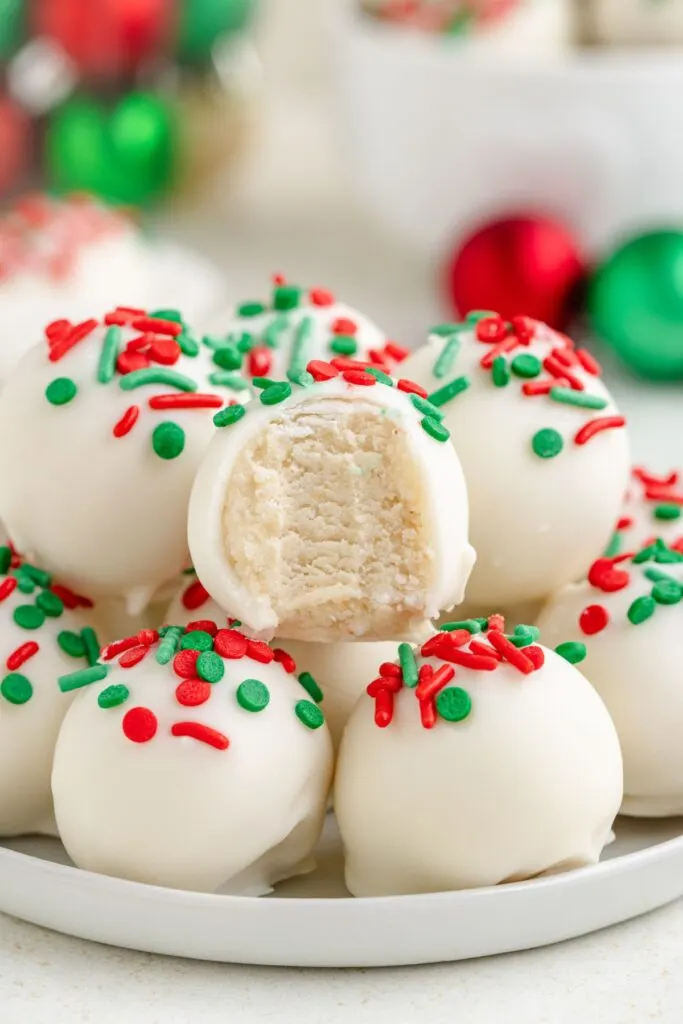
(231, 572)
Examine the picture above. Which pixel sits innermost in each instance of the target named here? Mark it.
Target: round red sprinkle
(203, 625)
(491, 329)
(185, 663)
(192, 692)
(260, 651)
(139, 725)
(127, 362)
(342, 325)
(133, 656)
(359, 377)
(593, 619)
(230, 644)
(412, 388)
(320, 370)
(535, 656)
(285, 659)
(195, 596)
(321, 297)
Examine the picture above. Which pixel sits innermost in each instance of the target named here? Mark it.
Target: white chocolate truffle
(334, 510)
(489, 771)
(653, 508)
(99, 445)
(542, 446)
(196, 762)
(636, 22)
(40, 639)
(626, 617)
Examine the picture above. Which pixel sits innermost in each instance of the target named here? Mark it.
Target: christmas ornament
(525, 263)
(11, 26)
(126, 155)
(635, 303)
(14, 143)
(202, 22)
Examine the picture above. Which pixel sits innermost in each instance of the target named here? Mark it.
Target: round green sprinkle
(310, 686)
(435, 429)
(667, 592)
(113, 696)
(310, 714)
(471, 625)
(5, 559)
(86, 676)
(231, 414)
(251, 309)
(667, 512)
(210, 667)
(28, 616)
(16, 688)
(168, 440)
(196, 640)
(61, 391)
(49, 603)
(454, 704)
(574, 653)
(253, 695)
(344, 345)
(424, 406)
(286, 296)
(641, 610)
(71, 643)
(276, 393)
(227, 358)
(526, 365)
(547, 443)
(500, 372)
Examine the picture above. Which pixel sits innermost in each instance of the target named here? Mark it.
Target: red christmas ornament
(519, 264)
(14, 142)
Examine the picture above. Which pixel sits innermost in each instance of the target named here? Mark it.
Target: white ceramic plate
(311, 922)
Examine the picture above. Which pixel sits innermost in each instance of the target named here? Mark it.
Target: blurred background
(420, 157)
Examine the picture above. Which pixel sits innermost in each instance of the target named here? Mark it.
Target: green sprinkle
(310, 686)
(547, 443)
(524, 635)
(483, 623)
(168, 440)
(113, 696)
(71, 643)
(251, 309)
(656, 575)
(39, 576)
(526, 365)
(381, 376)
(471, 625)
(169, 645)
(286, 296)
(174, 315)
(479, 314)
(645, 554)
(642, 609)
(111, 346)
(614, 546)
(189, 346)
(227, 358)
(445, 330)
(310, 714)
(435, 429)
(5, 559)
(276, 393)
(449, 353)
(406, 659)
(24, 583)
(298, 356)
(231, 414)
(449, 391)
(274, 331)
(579, 398)
(28, 616)
(210, 667)
(667, 512)
(16, 688)
(667, 592)
(196, 640)
(574, 653)
(665, 555)
(262, 383)
(453, 704)
(245, 343)
(158, 375)
(344, 345)
(61, 391)
(224, 379)
(91, 645)
(500, 372)
(49, 603)
(253, 695)
(424, 406)
(76, 680)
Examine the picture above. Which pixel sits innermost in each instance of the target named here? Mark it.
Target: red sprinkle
(148, 636)
(589, 362)
(17, 658)
(202, 733)
(429, 685)
(342, 325)
(557, 369)
(346, 363)
(203, 626)
(113, 650)
(127, 362)
(359, 377)
(396, 352)
(259, 650)
(230, 644)
(543, 387)
(536, 656)
(597, 427)
(377, 359)
(649, 479)
(185, 663)
(56, 329)
(260, 362)
(508, 345)
(123, 315)
(388, 670)
(133, 656)
(139, 344)
(6, 587)
(427, 708)
(320, 370)
(384, 708)
(165, 351)
(186, 401)
(476, 647)
(412, 388)
(151, 323)
(195, 596)
(566, 356)
(625, 523)
(139, 725)
(441, 644)
(477, 662)
(192, 692)
(127, 421)
(65, 342)
(657, 492)
(593, 619)
(389, 684)
(284, 659)
(497, 622)
(604, 575)
(510, 653)
(321, 297)
(491, 329)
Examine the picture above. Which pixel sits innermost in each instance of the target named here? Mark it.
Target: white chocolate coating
(652, 509)
(636, 671)
(106, 514)
(636, 22)
(528, 783)
(178, 812)
(536, 523)
(304, 517)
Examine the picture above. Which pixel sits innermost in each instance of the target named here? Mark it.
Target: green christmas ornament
(635, 304)
(12, 26)
(202, 22)
(127, 154)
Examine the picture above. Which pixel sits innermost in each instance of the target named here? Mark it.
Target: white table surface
(292, 211)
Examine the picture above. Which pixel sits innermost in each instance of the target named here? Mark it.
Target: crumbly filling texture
(325, 516)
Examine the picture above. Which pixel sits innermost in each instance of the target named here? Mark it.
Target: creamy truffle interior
(325, 516)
